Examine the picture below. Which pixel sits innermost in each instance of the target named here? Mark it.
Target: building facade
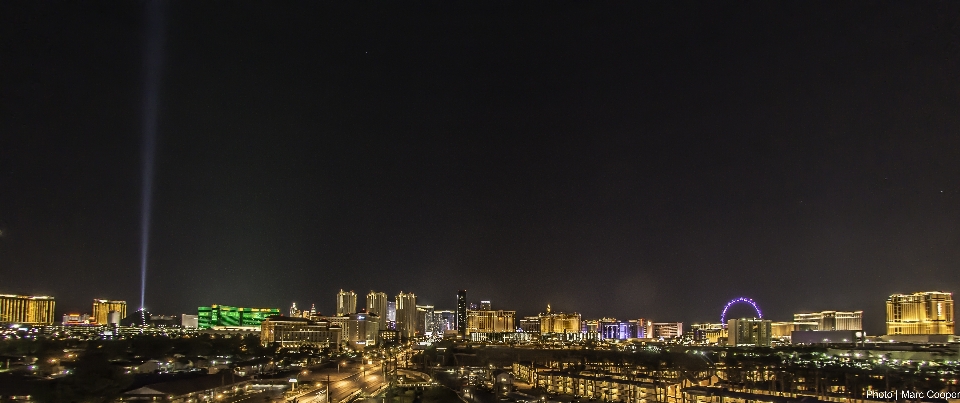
(377, 305)
(559, 322)
(667, 330)
(224, 316)
(749, 332)
(346, 303)
(928, 312)
(490, 321)
(103, 307)
(462, 312)
(832, 320)
(27, 309)
(407, 315)
(299, 332)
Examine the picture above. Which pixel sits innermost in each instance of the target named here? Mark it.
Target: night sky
(623, 160)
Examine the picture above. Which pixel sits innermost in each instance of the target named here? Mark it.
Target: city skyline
(744, 309)
(633, 160)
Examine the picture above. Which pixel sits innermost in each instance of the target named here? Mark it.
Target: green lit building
(230, 316)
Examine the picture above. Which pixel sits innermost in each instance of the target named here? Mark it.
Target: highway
(312, 385)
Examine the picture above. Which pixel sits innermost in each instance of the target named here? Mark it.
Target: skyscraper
(462, 312)
(27, 309)
(102, 307)
(377, 304)
(749, 332)
(920, 313)
(407, 315)
(346, 303)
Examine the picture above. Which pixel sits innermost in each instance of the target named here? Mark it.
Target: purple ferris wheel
(723, 316)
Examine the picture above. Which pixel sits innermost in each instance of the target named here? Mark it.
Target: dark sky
(626, 160)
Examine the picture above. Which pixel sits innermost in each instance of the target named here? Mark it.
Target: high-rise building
(481, 321)
(445, 321)
(223, 316)
(832, 320)
(26, 309)
(749, 332)
(462, 312)
(920, 313)
(425, 320)
(407, 315)
(102, 307)
(391, 311)
(377, 305)
(485, 306)
(346, 303)
(294, 312)
(559, 322)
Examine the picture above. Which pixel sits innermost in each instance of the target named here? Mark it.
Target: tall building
(377, 305)
(407, 315)
(486, 306)
(425, 320)
(559, 322)
(26, 309)
(928, 312)
(391, 311)
(223, 316)
(482, 321)
(749, 332)
(462, 312)
(102, 308)
(445, 321)
(832, 320)
(346, 303)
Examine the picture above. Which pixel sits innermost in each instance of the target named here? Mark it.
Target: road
(343, 382)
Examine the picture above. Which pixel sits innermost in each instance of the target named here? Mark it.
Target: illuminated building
(294, 312)
(667, 330)
(74, 319)
(832, 320)
(530, 324)
(612, 329)
(113, 318)
(462, 312)
(377, 305)
(361, 329)
(643, 328)
(490, 321)
(559, 322)
(749, 332)
(102, 307)
(485, 306)
(407, 315)
(783, 330)
(346, 303)
(708, 333)
(223, 316)
(391, 311)
(426, 321)
(299, 332)
(920, 313)
(26, 309)
(445, 321)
